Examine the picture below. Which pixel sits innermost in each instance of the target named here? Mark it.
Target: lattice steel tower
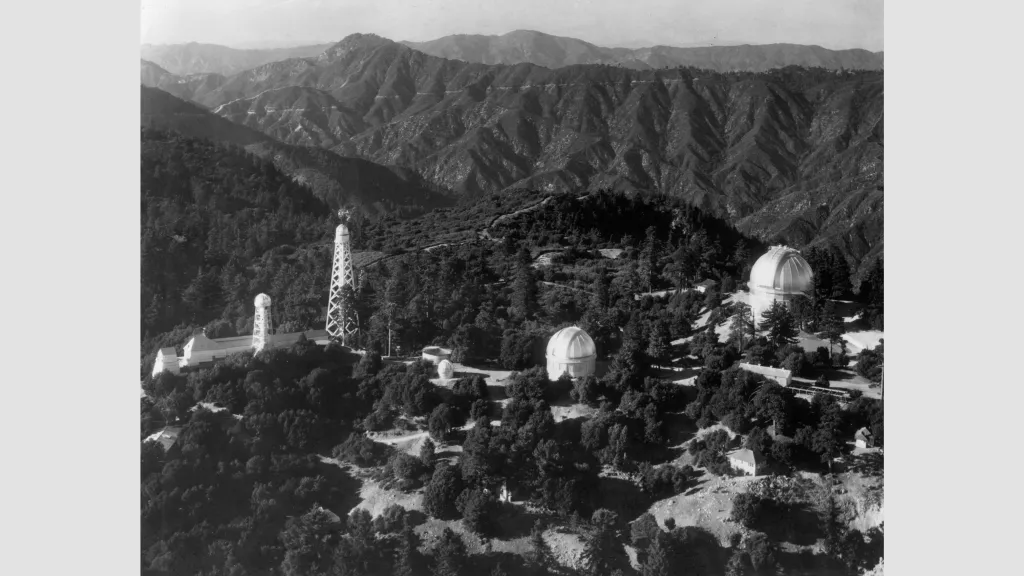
(342, 323)
(262, 327)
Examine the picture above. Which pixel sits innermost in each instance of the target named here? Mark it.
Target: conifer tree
(657, 561)
(778, 322)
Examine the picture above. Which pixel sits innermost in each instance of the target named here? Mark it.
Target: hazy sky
(829, 23)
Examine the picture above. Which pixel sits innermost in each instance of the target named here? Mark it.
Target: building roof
(863, 433)
(166, 436)
(781, 269)
(167, 352)
(293, 337)
(200, 343)
(571, 343)
(747, 455)
(766, 370)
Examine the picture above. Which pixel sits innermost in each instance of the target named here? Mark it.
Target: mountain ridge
(529, 46)
(791, 154)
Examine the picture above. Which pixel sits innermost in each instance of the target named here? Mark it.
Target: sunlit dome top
(782, 270)
(445, 369)
(570, 344)
(262, 301)
(341, 234)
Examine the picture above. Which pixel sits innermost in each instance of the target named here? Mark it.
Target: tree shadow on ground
(496, 392)
(793, 523)
(678, 428)
(623, 497)
(516, 521)
(868, 463)
(344, 494)
(697, 551)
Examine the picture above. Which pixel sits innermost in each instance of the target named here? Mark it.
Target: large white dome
(781, 270)
(571, 343)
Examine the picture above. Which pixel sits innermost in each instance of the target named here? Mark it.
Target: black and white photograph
(535, 288)
(532, 288)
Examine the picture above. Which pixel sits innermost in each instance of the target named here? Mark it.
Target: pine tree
(742, 324)
(539, 558)
(778, 322)
(427, 453)
(407, 557)
(657, 561)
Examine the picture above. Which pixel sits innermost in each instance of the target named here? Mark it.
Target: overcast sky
(241, 23)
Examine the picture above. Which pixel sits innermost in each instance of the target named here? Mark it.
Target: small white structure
(571, 351)
(166, 359)
(781, 275)
(445, 370)
(780, 375)
(436, 354)
(864, 439)
(261, 325)
(166, 437)
(746, 460)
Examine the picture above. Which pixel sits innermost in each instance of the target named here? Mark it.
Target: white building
(436, 354)
(571, 350)
(864, 439)
(746, 460)
(166, 359)
(445, 370)
(780, 375)
(781, 275)
(202, 351)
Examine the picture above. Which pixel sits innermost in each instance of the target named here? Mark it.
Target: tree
(601, 551)
(442, 493)
(648, 259)
(442, 420)
(585, 390)
(746, 509)
(450, 555)
(407, 558)
(778, 322)
(834, 328)
(479, 510)
(524, 292)
(659, 347)
(539, 559)
(309, 541)
(657, 561)
(428, 453)
(742, 324)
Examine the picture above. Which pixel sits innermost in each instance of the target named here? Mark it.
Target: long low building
(202, 351)
(780, 375)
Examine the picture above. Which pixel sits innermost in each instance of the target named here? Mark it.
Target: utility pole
(389, 340)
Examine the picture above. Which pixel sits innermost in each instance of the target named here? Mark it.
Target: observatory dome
(781, 275)
(262, 301)
(782, 270)
(445, 369)
(571, 350)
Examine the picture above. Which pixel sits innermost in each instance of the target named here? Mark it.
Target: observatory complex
(342, 323)
(571, 351)
(780, 275)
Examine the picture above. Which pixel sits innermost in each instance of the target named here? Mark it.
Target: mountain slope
(792, 155)
(527, 46)
(339, 181)
(193, 58)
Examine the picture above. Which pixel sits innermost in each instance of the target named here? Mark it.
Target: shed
(780, 375)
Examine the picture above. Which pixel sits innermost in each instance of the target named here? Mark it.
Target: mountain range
(528, 46)
(792, 155)
(195, 58)
(339, 181)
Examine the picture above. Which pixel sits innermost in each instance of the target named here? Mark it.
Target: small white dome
(782, 270)
(571, 343)
(262, 301)
(445, 369)
(341, 234)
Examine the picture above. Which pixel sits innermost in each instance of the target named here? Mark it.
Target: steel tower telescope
(341, 319)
